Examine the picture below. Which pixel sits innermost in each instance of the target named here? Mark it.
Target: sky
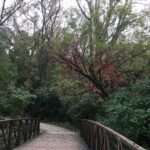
(139, 5)
(66, 4)
(72, 3)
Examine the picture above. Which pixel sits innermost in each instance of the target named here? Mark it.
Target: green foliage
(6, 71)
(128, 112)
(22, 57)
(14, 101)
(66, 88)
(6, 68)
(78, 103)
(47, 105)
(83, 107)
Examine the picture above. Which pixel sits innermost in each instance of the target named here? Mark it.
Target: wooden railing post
(38, 124)
(26, 130)
(30, 128)
(9, 136)
(19, 132)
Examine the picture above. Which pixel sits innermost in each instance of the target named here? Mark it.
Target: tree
(44, 22)
(8, 10)
(7, 72)
(94, 52)
(23, 57)
(30, 49)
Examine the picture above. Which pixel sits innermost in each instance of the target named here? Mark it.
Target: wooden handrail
(100, 137)
(13, 132)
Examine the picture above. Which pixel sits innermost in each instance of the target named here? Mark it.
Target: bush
(128, 112)
(47, 105)
(85, 107)
(14, 101)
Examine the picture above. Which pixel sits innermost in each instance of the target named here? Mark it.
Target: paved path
(55, 138)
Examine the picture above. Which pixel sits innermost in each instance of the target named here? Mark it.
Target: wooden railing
(100, 137)
(16, 131)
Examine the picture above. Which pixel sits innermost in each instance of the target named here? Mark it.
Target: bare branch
(6, 13)
(82, 10)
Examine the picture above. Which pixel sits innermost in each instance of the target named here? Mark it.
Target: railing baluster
(26, 130)
(3, 134)
(19, 133)
(97, 138)
(106, 141)
(120, 147)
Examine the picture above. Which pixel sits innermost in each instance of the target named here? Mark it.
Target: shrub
(85, 107)
(128, 112)
(47, 105)
(14, 101)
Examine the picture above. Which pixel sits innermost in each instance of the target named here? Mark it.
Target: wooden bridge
(20, 134)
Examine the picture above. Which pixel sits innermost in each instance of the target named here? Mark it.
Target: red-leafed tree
(99, 74)
(91, 56)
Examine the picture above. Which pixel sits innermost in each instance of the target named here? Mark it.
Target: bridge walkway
(54, 138)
